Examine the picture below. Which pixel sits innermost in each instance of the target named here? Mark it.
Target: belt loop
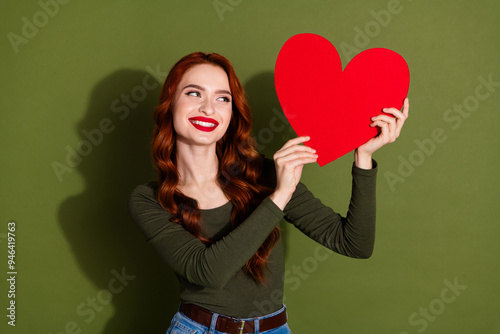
(213, 324)
(256, 324)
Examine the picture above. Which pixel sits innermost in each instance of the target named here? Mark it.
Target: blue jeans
(183, 325)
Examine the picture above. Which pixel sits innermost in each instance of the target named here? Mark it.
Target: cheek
(178, 121)
(179, 110)
(176, 124)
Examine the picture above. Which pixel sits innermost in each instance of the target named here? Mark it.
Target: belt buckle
(242, 325)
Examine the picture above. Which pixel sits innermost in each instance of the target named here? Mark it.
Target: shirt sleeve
(208, 266)
(352, 235)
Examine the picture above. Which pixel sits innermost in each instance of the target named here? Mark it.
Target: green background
(437, 222)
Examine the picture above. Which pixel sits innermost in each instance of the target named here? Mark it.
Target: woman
(214, 213)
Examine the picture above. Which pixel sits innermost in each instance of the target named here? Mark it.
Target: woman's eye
(224, 99)
(197, 94)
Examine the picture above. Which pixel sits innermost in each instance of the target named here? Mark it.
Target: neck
(197, 165)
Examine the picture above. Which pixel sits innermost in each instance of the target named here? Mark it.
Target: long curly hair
(240, 165)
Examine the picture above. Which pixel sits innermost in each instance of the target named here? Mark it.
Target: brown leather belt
(231, 325)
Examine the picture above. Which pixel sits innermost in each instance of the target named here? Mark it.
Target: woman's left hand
(390, 128)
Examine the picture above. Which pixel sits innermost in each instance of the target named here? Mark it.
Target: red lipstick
(204, 123)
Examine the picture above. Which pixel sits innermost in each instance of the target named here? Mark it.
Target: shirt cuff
(365, 172)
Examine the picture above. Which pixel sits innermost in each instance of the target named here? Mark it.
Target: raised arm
(352, 235)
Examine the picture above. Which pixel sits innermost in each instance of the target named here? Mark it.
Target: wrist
(280, 198)
(362, 159)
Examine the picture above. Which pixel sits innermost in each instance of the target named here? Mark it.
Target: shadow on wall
(115, 146)
(271, 129)
(270, 126)
(110, 249)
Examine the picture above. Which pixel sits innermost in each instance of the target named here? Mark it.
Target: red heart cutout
(332, 106)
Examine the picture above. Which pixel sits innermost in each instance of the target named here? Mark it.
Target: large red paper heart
(332, 106)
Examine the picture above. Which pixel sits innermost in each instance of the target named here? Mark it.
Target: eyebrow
(220, 91)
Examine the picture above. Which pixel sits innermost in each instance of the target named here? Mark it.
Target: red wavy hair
(240, 164)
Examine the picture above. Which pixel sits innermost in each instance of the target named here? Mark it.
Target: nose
(207, 107)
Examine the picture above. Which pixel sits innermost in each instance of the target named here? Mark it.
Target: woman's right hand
(289, 161)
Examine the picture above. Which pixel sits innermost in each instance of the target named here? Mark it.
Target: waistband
(232, 325)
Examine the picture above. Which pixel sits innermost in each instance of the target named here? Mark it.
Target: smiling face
(202, 105)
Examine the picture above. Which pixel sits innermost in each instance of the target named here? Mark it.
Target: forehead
(206, 75)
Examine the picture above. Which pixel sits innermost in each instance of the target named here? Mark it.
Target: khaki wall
(82, 266)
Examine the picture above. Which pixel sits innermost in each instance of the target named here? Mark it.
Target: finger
(385, 118)
(283, 160)
(291, 149)
(385, 131)
(406, 107)
(395, 124)
(390, 121)
(295, 141)
(300, 162)
(401, 120)
(394, 112)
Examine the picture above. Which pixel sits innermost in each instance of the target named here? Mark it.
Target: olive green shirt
(212, 276)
